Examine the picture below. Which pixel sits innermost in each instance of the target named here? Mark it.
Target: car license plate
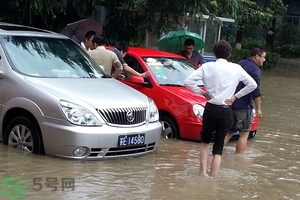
(131, 140)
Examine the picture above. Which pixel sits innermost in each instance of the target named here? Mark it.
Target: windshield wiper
(106, 76)
(176, 85)
(92, 75)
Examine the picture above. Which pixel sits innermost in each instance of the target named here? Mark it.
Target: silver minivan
(56, 100)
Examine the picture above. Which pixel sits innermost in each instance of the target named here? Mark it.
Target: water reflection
(268, 170)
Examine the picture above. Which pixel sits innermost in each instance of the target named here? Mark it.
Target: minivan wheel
(169, 128)
(23, 134)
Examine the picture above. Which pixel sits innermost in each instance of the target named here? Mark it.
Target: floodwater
(269, 169)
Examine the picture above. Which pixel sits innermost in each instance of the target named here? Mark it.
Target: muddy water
(268, 170)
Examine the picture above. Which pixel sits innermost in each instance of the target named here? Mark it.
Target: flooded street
(269, 169)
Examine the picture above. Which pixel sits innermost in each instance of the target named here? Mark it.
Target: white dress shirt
(83, 46)
(220, 79)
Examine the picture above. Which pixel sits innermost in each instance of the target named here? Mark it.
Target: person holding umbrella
(87, 43)
(190, 53)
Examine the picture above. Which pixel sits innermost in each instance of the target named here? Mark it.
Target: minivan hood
(185, 94)
(98, 92)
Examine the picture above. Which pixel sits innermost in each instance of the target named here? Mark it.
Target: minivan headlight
(78, 115)
(153, 111)
(198, 110)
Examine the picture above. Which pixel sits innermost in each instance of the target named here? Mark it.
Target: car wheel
(169, 127)
(23, 134)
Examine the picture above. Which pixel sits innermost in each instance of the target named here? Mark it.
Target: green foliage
(271, 60)
(288, 50)
(129, 19)
(47, 14)
(286, 41)
(124, 25)
(252, 13)
(249, 43)
(287, 34)
(240, 54)
(163, 15)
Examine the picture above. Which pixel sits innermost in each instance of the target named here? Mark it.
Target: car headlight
(153, 111)
(78, 115)
(198, 110)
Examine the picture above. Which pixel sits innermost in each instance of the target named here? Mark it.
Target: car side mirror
(136, 79)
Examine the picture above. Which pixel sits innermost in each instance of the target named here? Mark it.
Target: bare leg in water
(204, 153)
(241, 143)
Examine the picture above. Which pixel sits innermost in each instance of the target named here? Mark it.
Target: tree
(159, 16)
(162, 15)
(250, 12)
(48, 14)
(128, 19)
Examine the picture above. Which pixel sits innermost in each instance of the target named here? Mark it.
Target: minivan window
(49, 57)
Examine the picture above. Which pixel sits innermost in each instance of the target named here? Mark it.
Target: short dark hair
(122, 46)
(89, 34)
(222, 49)
(99, 40)
(189, 42)
(257, 51)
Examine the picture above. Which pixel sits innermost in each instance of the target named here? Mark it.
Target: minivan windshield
(49, 57)
(170, 71)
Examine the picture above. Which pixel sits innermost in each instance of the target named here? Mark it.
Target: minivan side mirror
(1, 68)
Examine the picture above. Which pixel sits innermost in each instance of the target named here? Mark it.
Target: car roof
(147, 52)
(15, 29)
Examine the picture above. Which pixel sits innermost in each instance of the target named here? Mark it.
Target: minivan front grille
(121, 152)
(124, 116)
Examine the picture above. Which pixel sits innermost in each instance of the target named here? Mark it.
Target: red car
(180, 109)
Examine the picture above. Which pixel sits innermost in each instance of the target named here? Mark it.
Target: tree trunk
(270, 36)
(239, 36)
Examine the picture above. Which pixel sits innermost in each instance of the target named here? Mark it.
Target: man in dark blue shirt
(242, 107)
(191, 54)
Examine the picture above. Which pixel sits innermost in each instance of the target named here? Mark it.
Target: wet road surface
(269, 169)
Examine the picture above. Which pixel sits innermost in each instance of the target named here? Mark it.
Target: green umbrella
(174, 41)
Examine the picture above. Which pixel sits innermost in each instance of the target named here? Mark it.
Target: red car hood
(185, 94)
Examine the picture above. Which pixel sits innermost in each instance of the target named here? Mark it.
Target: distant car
(180, 109)
(56, 100)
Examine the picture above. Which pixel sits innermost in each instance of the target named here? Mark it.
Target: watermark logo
(14, 187)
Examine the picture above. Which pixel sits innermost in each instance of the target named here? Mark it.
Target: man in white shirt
(220, 79)
(87, 44)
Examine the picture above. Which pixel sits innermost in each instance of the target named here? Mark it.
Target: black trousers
(217, 119)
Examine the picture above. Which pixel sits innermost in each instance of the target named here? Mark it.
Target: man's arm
(257, 106)
(135, 73)
(250, 85)
(249, 82)
(118, 69)
(201, 60)
(190, 81)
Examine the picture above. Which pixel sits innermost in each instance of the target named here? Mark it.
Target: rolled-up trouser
(216, 119)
